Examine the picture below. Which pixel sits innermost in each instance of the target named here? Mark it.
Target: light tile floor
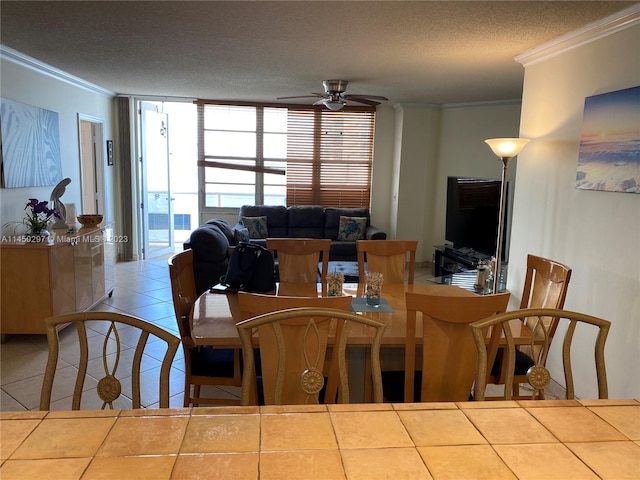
(143, 289)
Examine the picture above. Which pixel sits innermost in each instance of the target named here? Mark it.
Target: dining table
(577, 439)
(216, 312)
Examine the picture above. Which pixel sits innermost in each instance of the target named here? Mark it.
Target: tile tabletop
(498, 440)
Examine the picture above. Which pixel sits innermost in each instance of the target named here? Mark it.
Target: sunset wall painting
(609, 157)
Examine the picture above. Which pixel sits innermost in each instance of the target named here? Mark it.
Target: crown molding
(431, 106)
(13, 56)
(593, 31)
(160, 98)
(484, 103)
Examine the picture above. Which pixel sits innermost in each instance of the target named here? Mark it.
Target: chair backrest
(448, 351)
(545, 286)
(183, 290)
(388, 257)
(122, 333)
(293, 346)
(252, 304)
(298, 258)
(498, 332)
(545, 283)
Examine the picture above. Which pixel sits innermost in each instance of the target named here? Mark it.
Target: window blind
(330, 156)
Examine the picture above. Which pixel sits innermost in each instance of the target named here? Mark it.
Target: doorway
(168, 176)
(91, 137)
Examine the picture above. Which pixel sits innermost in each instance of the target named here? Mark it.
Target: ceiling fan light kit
(333, 104)
(334, 97)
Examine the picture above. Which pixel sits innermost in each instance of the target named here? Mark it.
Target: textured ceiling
(411, 52)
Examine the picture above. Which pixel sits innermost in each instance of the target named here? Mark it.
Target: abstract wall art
(609, 158)
(30, 145)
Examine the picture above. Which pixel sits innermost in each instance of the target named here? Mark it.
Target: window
(243, 151)
(330, 157)
(274, 155)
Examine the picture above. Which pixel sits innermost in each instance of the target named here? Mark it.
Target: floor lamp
(505, 149)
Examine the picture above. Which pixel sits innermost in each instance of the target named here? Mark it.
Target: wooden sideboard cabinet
(68, 273)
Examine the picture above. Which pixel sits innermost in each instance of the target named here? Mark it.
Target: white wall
(383, 152)
(596, 233)
(416, 148)
(417, 164)
(27, 86)
(464, 153)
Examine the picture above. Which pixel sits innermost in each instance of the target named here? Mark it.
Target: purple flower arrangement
(38, 216)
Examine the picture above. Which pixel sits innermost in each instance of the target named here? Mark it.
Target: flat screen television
(473, 206)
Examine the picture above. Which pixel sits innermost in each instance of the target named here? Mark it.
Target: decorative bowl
(89, 220)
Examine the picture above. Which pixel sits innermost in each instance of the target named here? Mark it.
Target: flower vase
(373, 299)
(335, 281)
(373, 281)
(37, 236)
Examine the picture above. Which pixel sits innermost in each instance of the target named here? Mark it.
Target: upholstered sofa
(211, 241)
(309, 221)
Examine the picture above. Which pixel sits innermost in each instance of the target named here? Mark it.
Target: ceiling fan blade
(366, 101)
(369, 97)
(313, 95)
(334, 97)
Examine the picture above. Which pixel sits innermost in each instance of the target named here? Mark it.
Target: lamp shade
(507, 147)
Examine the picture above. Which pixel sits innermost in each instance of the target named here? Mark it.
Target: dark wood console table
(449, 260)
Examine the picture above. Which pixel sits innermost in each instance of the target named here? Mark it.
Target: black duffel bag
(251, 269)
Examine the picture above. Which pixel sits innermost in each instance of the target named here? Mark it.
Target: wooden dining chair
(204, 365)
(293, 346)
(448, 352)
(545, 286)
(388, 257)
(253, 304)
(299, 258)
(128, 342)
(499, 329)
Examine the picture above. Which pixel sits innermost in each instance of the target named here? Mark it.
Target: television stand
(449, 260)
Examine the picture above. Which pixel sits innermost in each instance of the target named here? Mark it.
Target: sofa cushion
(276, 217)
(332, 219)
(242, 235)
(257, 226)
(305, 221)
(351, 228)
(209, 243)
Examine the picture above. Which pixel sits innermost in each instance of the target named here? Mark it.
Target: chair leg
(516, 390)
(368, 379)
(196, 395)
(187, 391)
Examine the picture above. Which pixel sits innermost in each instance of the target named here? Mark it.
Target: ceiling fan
(334, 97)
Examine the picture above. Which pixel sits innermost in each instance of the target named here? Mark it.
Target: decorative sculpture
(56, 193)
